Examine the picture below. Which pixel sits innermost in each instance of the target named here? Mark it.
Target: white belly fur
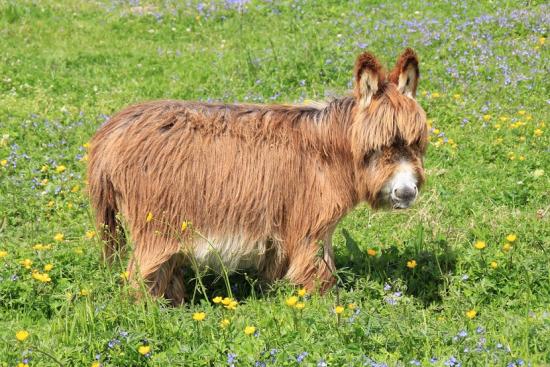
(233, 252)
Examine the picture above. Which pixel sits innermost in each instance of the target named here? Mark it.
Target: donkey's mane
(322, 126)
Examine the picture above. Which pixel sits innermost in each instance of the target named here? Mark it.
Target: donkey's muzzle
(403, 196)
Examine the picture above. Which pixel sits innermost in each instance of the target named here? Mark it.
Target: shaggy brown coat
(265, 184)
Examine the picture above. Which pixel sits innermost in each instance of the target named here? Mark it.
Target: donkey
(263, 186)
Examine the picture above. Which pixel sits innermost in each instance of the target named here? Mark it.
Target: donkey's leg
(155, 260)
(168, 281)
(309, 269)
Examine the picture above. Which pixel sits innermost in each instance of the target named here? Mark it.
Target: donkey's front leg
(310, 267)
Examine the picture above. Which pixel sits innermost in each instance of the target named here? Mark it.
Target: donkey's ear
(368, 78)
(405, 74)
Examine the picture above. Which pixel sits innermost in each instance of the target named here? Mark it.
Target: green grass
(484, 65)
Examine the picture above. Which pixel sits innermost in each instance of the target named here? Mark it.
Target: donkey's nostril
(406, 193)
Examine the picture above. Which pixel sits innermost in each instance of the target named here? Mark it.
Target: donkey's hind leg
(168, 281)
(158, 261)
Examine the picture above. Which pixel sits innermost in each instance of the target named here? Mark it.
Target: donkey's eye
(368, 158)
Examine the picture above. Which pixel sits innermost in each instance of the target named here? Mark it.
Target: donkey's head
(389, 131)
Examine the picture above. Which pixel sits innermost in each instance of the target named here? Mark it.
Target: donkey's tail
(103, 200)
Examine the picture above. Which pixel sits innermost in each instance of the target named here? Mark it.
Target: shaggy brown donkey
(263, 185)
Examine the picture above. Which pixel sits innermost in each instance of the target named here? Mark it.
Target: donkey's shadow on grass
(420, 270)
(424, 279)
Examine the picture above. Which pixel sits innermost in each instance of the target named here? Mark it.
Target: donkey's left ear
(405, 74)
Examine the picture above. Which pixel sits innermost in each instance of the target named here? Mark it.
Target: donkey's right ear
(368, 78)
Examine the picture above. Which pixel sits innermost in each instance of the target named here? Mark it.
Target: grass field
(479, 235)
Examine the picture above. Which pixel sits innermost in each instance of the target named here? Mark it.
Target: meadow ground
(478, 291)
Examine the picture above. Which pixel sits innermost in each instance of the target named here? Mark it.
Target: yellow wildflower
(487, 117)
(59, 237)
(411, 264)
(471, 314)
(338, 309)
(217, 300)
(75, 188)
(199, 316)
(90, 234)
(51, 203)
(352, 306)
(3, 162)
(232, 305)
(456, 96)
(184, 226)
(542, 40)
(22, 335)
(96, 364)
(503, 118)
(27, 263)
(493, 264)
(42, 277)
(435, 95)
(480, 245)
(48, 267)
(224, 323)
(291, 301)
(300, 305)
(538, 132)
(522, 112)
(226, 301)
(511, 237)
(125, 275)
(302, 292)
(144, 349)
(60, 168)
(149, 217)
(249, 330)
(506, 247)
(371, 252)
(3, 254)
(44, 182)
(85, 292)
(41, 247)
